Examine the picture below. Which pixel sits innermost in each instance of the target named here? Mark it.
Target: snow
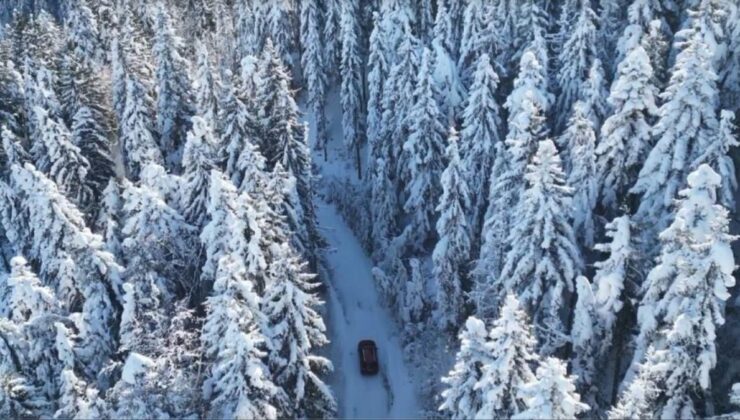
(135, 364)
(356, 313)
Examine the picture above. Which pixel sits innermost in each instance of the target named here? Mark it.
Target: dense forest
(546, 190)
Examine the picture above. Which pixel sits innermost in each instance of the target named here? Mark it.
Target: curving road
(355, 313)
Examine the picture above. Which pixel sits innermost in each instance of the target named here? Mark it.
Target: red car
(368, 352)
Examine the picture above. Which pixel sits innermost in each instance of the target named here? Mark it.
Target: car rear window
(368, 355)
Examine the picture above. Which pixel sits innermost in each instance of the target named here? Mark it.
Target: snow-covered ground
(356, 313)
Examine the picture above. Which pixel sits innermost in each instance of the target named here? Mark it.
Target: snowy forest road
(356, 313)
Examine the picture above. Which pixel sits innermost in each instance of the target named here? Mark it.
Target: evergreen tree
(478, 37)
(682, 306)
(626, 134)
(62, 160)
(378, 63)
(384, 207)
(158, 239)
(576, 58)
(452, 252)
(595, 95)
(314, 69)
(206, 100)
(91, 138)
(544, 258)
(513, 358)
(294, 329)
(462, 399)
(414, 299)
(333, 44)
(480, 133)
(687, 122)
(585, 335)
(174, 101)
(424, 151)
(352, 79)
(580, 140)
(82, 33)
(614, 282)
(136, 131)
(71, 259)
(552, 395)
(526, 122)
(239, 384)
(717, 156)
(198, 161)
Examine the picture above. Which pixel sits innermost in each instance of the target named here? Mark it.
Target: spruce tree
(174, 99)
(462, 399)
(452, 252)
(295, 328)
(199, 159)
(352, 80)
(544, 258)
(512, 347)
(580, 140)
(687, 123)
(424, 152)
(626, 134)
(480, 133)
(314, 69)
(717, 155)
(682, 307)
(578, 53)
(136, 130)
(552, 395)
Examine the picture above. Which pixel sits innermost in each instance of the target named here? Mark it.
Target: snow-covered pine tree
(462, 399)
(575, 59)
(239, 383)
(481, 131)
(158, 238)
(595, 95)
(11, 96)
(552, 395)
(62, 160)
(378, 64)
(91, 137)
(314, 68)
(279, 18)
(83, 38)
(478, 37)
(199, 158)
(205, 86)
(452, 252)
(352, 83)
(294, 328)
(424, 153)
(579, 140)
(174, 93)
(657, 46)
(682, 307)
(626, 134)
(717, 155)
(615, 280)
(585, 335)
(513, 358)
(413, 308)
(384, 207)
(544, 258)
(71, 259)
(687, 123)
(526, 105)
(238, 128)
(136, 130)
(332, 42)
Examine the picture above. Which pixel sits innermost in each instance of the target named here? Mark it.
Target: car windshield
(368, 354)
